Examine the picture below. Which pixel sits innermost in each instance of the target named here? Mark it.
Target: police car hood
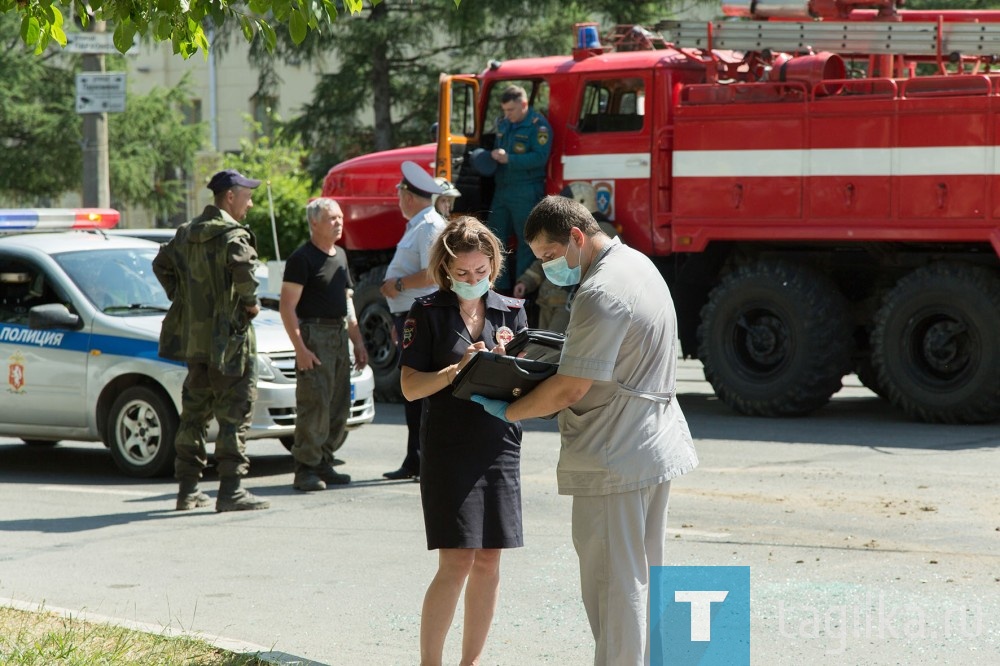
(271, 335)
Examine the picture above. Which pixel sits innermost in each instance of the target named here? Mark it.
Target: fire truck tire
(868, 377)
(935, 345)
(775, 339)
(375, 322)
(140, 432)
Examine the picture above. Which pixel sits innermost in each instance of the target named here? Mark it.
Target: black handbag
(501, 377)
(537, 345)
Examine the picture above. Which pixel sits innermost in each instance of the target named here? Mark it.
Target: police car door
(45, 368)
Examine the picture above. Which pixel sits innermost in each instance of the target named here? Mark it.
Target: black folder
(537, 344)
(501, 377)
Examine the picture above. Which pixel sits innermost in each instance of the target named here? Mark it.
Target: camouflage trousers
(208, 393)
(322, 395)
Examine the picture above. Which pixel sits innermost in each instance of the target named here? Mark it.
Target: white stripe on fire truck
(613, 165)
(936, 161)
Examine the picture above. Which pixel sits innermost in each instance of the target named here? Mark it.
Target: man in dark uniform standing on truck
(521, 151)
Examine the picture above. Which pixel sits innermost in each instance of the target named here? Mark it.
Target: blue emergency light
(587, 37)
(57, 219)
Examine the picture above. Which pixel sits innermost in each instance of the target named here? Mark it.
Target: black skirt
(470, 476)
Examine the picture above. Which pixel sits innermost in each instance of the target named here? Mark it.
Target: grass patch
(43, 638)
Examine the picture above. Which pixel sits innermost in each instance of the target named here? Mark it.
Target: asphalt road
(871, 540)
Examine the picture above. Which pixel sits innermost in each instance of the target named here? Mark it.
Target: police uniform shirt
(325, 280)
(527, 144)
(412, 255)
(623, 434)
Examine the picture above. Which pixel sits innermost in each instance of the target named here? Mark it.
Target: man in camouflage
(207, 270)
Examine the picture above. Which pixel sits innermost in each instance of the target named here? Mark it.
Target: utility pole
(96, 179)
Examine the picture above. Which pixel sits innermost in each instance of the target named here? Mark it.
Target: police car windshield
(117, 281)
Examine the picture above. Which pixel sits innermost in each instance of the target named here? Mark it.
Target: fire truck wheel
(775, 339)
(868, 376)
(375, 322)
(140, 432)
(935, 344)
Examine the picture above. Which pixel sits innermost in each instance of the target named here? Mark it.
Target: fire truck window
(463, 111)
(616, 105)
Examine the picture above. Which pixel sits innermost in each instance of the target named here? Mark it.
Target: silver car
(80, 316)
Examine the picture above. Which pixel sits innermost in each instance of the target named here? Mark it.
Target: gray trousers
(322, 395)
(617, 538)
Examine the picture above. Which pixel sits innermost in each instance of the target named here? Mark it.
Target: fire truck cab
(815, 212)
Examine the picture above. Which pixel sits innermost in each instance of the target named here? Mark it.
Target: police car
(80, 315)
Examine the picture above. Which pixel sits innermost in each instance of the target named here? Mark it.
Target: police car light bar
(57, 219)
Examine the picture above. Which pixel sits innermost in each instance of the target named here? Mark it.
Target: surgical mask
(559, 273)
(470, 292)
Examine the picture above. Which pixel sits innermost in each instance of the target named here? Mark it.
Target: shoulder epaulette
(511, 302)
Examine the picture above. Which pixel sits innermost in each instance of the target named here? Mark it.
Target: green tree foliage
(39, 128)
(151, 146)
(182, 22)
(40, 134)
(279, 164)
(393, 53)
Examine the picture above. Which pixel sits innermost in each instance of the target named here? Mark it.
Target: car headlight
(265, 368)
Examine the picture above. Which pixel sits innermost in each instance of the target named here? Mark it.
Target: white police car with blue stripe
(80, 316)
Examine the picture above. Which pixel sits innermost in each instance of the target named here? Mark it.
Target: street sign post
(100, 92)
(94, 42)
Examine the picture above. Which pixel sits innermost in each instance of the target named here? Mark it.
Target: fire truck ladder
(954, 40)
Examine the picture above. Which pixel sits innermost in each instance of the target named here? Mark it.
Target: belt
(320, 321)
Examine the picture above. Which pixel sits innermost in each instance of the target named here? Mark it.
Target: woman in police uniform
(470, 485)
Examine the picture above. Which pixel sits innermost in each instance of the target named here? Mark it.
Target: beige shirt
(628, 431)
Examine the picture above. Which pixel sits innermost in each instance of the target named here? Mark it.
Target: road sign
(94, 42)
(100, 92)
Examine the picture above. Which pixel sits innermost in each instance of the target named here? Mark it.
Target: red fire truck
(818, 182)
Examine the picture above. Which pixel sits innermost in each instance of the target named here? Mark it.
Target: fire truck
(818, 182)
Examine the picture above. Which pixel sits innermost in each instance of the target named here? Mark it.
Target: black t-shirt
(324, 281)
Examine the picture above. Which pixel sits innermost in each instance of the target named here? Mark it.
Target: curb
(229, 644)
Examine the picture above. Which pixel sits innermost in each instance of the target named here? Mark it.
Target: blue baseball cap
(229, 178)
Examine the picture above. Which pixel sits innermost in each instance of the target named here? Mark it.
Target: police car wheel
(140, 432)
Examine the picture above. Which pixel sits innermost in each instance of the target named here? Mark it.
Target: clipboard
(537, 344)
(501, 377)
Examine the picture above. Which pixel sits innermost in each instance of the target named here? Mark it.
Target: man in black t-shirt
(318, 314)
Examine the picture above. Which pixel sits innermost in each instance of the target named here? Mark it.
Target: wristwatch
(399, 284)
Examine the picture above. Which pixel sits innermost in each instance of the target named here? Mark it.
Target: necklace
(474, 315)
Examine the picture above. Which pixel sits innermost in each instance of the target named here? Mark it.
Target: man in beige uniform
(624, 436)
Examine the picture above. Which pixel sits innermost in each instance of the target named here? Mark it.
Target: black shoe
(330, 477)
(400, 474)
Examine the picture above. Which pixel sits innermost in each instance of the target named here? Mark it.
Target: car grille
(283, 416)
(285, 361)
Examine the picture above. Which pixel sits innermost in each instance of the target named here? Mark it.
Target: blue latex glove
(497, 408)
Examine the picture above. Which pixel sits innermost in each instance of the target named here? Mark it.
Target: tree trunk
(381, 95)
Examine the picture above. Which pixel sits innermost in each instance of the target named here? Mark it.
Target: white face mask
(470, 292)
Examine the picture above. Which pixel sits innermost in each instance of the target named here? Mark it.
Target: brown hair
(554, 217)
(463, 234)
